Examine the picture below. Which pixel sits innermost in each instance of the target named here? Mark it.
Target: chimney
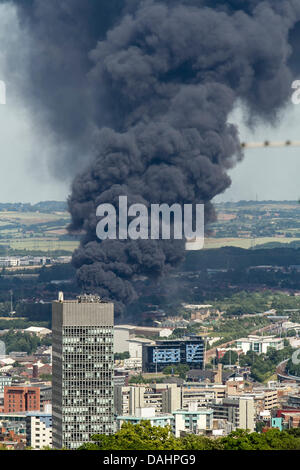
(218, 376)
(35, 371)
(60, 296)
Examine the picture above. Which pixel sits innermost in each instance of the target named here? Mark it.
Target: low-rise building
(5, 381)
(192, 421)
(38, 331)
(135, 346)
(240, 411)
(122, 333)
(39, 430)
(149, 414)
(259, 344)
(21, 398)
(164, 398)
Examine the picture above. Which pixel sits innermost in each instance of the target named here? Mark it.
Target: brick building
(18, 399)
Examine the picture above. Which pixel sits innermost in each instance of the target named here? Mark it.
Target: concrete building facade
(166, 398)
(190, 421)
(82, 393)
(240, 411)
(39, 430)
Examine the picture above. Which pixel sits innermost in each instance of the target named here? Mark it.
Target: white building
(193, 420)
(9, 262)
(288, 325)
(122, 333)
(146, 414)
(38, 331)
(190, 421)
(259, 344)
(5, 381)
(135, 346)
(133, 363)
(197, 306)
(39, 430)
(165, 332)
(294, 342)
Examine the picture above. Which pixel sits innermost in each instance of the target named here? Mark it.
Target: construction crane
(267, 143)
(191, 244)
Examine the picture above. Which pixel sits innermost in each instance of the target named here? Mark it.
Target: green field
(244, 242)
(35, 231)
(37, 244)
(243, 225)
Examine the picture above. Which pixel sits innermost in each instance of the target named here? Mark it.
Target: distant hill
(239, 258)
(44, 206)
(252, 202)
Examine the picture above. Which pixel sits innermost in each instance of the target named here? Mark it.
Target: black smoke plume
(141, 92)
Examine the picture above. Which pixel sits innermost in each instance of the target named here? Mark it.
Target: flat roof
(140, 340)
(125, 327)
(207, 411)
(145, 418)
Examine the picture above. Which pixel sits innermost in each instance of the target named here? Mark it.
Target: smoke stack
(35, 371)
(218, 376)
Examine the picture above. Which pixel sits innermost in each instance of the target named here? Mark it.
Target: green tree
(140, 436)
(193, 442)
(121, 356)
(143, 436)
(230, 357)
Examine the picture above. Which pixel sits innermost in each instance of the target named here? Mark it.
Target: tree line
(143, 436)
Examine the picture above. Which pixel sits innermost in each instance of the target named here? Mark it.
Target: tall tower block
(82, 388)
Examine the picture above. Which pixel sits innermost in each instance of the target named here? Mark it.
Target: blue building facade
(188, 351)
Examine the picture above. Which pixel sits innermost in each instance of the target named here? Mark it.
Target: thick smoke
(142, 94)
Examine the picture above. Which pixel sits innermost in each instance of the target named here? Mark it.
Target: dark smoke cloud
(62, 33)
(146, 88)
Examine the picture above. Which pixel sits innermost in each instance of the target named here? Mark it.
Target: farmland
(38, 231)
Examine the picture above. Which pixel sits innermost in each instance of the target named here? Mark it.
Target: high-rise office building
(82, 393)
